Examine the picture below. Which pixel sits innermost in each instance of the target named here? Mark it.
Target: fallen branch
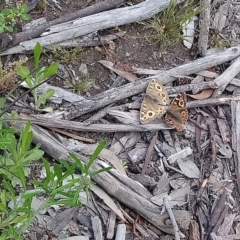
(92, 23)
(89, 40)
(37, 31)
(172, 218)
(235, 107)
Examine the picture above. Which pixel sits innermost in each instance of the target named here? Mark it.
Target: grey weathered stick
(235, 110)
(213, 101)
(89, 40)
(225, 78)
(204, 23)
(172, 218)
(133, 88)
(78, 126)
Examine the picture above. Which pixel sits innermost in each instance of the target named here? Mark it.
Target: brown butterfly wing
(156, 92)
(155, 102)
(150, 110)
(177, 114)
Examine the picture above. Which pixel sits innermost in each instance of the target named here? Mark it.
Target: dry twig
(172, 218)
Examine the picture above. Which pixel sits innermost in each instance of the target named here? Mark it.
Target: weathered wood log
(35, 32)
(92, 23)
(112, 186)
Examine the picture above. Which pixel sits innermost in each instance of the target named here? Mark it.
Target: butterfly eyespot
(150, 114)
(181, 103)
(179, 128)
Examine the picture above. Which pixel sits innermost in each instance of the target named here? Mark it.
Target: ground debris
(173, 176)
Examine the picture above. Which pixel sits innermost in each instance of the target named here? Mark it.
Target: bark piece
(194, 233)
(225, 228)
(223, 126)
(162, 185)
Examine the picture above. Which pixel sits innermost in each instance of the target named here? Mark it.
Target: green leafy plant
(9, 17)
(41, 74)
(17, 154)
(167, 26)
(15, 157)
(85, 168)
(60, 186)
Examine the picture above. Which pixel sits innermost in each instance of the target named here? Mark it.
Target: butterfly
(156, 103)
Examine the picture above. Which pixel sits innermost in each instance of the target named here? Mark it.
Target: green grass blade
(100, 171)
(96, 154)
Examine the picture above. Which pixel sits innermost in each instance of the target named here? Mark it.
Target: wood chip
(111, 225)
(97, 228)
(121, 232)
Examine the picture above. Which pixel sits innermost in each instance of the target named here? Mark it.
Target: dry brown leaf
(203, 95)
(212, 69)
(109, 202)
(123, 67)
(108, 64)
